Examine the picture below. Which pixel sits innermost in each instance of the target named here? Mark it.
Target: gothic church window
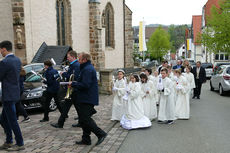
(64, 33)
(109, 26)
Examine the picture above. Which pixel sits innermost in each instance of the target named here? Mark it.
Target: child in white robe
(134, 117)
(190, 78)
(155, 81)
(148, 72)
(118, 108)
(149, 101)
(182, 104)
(167, 105)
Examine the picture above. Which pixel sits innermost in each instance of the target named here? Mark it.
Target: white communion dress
(134, 117)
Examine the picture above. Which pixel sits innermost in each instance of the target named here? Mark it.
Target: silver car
(220, 80)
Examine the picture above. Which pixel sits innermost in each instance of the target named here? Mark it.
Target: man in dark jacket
(52, 90)
(199, 77)
(87, 97)
(74, 68)
(9, 76)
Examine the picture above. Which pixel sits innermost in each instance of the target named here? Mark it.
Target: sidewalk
(41, 137)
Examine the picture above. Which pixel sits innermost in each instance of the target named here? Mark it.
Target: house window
(63, 9)
(221, 57)
(109, 26)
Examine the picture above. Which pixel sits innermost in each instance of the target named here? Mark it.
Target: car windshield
(33, 78)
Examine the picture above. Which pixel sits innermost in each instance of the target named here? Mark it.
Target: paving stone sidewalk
(41, 137)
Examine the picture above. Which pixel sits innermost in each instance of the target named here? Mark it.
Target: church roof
(45, 52)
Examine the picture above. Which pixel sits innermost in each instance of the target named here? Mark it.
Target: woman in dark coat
(19, 107)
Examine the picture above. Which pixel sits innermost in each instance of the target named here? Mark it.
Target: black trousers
(66, 108)
(46, 105)
(197, 90)
(87, 123)
(20, 110)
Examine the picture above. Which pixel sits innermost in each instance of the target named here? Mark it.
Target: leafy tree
(216, 36)
(158, 44)
(177, 36)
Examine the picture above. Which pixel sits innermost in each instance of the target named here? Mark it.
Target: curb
(94, 141)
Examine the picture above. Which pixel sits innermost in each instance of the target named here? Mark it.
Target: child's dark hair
(142, 75)
(136, 77)
(48, 63)
(149, 70)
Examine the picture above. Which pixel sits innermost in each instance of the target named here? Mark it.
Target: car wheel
(211, 87)
(53, 105)
(221, 91)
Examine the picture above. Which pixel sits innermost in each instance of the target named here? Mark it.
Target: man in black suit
(10, 68)
(199, 77)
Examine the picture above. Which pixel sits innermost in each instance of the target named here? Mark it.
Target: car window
(28, 69)
(228, 70)
(38, 67)
(207, 66)
(221, 70)
(33, 78)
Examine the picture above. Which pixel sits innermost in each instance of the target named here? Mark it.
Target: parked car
(221, 79)
(34, 91)
(217, 65)
(208, 69)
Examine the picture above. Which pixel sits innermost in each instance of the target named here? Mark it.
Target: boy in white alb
(167, 104)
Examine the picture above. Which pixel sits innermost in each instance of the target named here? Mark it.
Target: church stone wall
(40, 25)
(114, 57)
(6, 18)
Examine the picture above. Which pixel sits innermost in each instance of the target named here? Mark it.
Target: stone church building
(102, 28)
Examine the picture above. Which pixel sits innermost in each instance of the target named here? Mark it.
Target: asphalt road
(207, 131)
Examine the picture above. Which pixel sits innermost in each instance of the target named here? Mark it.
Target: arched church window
(109, 26)
(64, 33)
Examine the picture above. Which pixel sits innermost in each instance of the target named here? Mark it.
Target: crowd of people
(136, 99)
(84, 97)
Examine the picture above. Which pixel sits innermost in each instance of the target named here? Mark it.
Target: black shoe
(160, 122)
(82, 143)
(76, 125)
(56, 125)
(198, 97)
(101, 139)
(193, 97)
(44, 120)
(170, 122)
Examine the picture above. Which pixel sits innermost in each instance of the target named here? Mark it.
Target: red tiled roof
(196, 25)
(208, 7)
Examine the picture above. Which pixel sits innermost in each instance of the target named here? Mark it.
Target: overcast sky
(165, 11)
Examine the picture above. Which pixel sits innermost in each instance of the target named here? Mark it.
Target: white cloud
(165, 11)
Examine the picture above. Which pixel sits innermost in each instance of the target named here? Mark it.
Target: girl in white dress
(182, 104)
(119, 90)
(134, 117)
(167, 104)
(148, 72)
(155, 81)
(149, 101)
(190, 78)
